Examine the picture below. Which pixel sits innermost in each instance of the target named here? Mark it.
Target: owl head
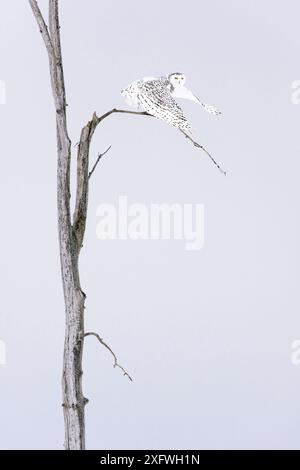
(177, 79)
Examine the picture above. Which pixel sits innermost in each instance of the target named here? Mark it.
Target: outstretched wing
(156, 99)
(208, 108)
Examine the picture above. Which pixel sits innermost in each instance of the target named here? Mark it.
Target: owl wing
(156, 99)
(208, 108)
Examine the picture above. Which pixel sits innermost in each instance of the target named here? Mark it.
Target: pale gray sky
(205, 334)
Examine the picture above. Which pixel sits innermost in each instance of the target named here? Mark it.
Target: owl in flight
(157, 97)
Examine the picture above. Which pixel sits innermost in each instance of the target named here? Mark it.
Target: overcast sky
(207, 334)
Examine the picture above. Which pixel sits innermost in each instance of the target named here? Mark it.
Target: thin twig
(144, 113)
(204, 150)
(91, 333)
(100, 155)
(114, 110)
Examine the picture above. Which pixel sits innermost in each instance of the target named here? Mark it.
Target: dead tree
(71, 229)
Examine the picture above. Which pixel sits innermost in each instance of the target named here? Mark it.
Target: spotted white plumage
(157, 97)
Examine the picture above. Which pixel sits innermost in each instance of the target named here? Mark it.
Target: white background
(206, 335)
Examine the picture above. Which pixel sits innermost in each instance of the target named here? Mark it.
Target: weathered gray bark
(70, 237)
(71, 232)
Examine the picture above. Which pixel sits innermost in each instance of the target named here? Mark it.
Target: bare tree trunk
(71, 232)
(70, 237)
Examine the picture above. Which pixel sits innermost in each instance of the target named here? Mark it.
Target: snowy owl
(157, 97)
